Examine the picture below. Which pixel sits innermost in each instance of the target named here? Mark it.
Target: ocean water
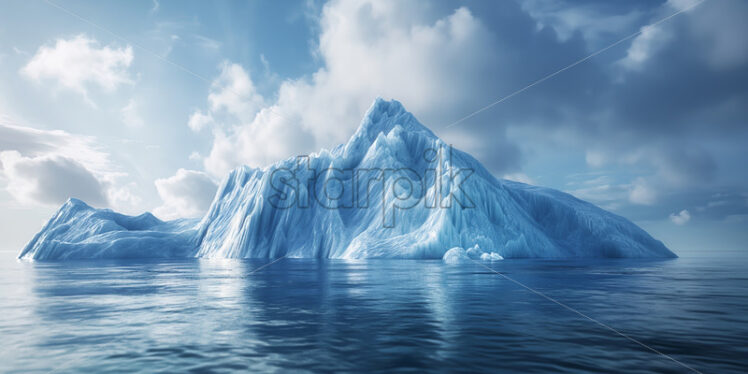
(377, 315)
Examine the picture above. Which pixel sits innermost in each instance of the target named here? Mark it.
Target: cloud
(80, 63)
(681, 218)
(43, 167)
(195, 156)
(268, 139)
(198, 121)
(642, 193)
(644, 46)
(569, 18)
(595, 158)
(234, 92)
(31, 142)
(50, 179)
(131, 116)
(652, 38)
(717, 29)
(188, 193)
(600, 190)
(673, 107)
(368, 49)
(207, 43)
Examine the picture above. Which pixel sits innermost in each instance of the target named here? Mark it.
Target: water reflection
(376, 315)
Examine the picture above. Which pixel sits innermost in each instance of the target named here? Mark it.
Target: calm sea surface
(376, 315)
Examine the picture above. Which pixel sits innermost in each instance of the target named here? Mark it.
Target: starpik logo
(434, 184)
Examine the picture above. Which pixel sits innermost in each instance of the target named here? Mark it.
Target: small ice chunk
(493, 256)
(455, 255)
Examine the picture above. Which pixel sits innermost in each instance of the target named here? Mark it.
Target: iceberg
(394, 190)
(78, 231)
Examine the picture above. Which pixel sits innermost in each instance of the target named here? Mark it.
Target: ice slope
(394, 190)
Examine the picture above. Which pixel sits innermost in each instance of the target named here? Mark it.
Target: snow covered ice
(457, 255)
(394, 190)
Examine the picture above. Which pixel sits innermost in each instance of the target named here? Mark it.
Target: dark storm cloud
(522, 55)
(668, 101)
(676, 91)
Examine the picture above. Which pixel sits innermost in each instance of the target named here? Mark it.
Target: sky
(145, 105)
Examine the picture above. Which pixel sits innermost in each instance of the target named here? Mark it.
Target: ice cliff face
(394, 190)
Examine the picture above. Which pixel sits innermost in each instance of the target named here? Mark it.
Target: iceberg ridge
(393, 190)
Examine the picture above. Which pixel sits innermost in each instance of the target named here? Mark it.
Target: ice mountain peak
(381, 119)
(393, 190)
(384, 115)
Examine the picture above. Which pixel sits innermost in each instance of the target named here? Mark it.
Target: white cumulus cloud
(43, 167)
(234, 92)
(79, 63)
(50, 179)
(199, 120)
(188, 193)
(368, 49)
